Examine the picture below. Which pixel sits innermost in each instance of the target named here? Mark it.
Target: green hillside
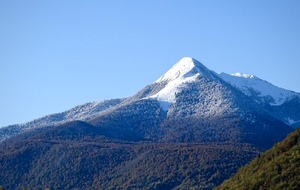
(278, 168)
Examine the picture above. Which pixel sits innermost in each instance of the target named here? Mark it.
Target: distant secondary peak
(243, 75)
(184, 68)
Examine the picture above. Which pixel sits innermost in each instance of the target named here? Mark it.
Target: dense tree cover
(111, 165)
(180, 166)
(278, 168)
(78, 156)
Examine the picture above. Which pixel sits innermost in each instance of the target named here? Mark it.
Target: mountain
(187, 90)
(189, 128)
(277, 168)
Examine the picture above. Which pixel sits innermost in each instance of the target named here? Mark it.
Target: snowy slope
(252, 85)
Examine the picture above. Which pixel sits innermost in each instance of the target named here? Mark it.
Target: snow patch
(291, 121)
(243, 75)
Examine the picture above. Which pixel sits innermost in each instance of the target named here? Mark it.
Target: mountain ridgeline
(191, 128)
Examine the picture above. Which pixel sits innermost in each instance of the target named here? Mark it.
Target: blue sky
(55, 55)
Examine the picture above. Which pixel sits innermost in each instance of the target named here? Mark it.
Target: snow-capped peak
(184, 71)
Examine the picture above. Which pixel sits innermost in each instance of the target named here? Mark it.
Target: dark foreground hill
(78, 156)
(278, 168)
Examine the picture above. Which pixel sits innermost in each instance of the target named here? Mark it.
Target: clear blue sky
(56, 54)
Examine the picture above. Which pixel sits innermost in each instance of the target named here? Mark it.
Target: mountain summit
(185, 71)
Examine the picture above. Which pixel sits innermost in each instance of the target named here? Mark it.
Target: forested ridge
(111, 165)
(277, 168)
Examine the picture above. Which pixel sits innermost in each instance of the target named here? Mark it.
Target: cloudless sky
(56, 54)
